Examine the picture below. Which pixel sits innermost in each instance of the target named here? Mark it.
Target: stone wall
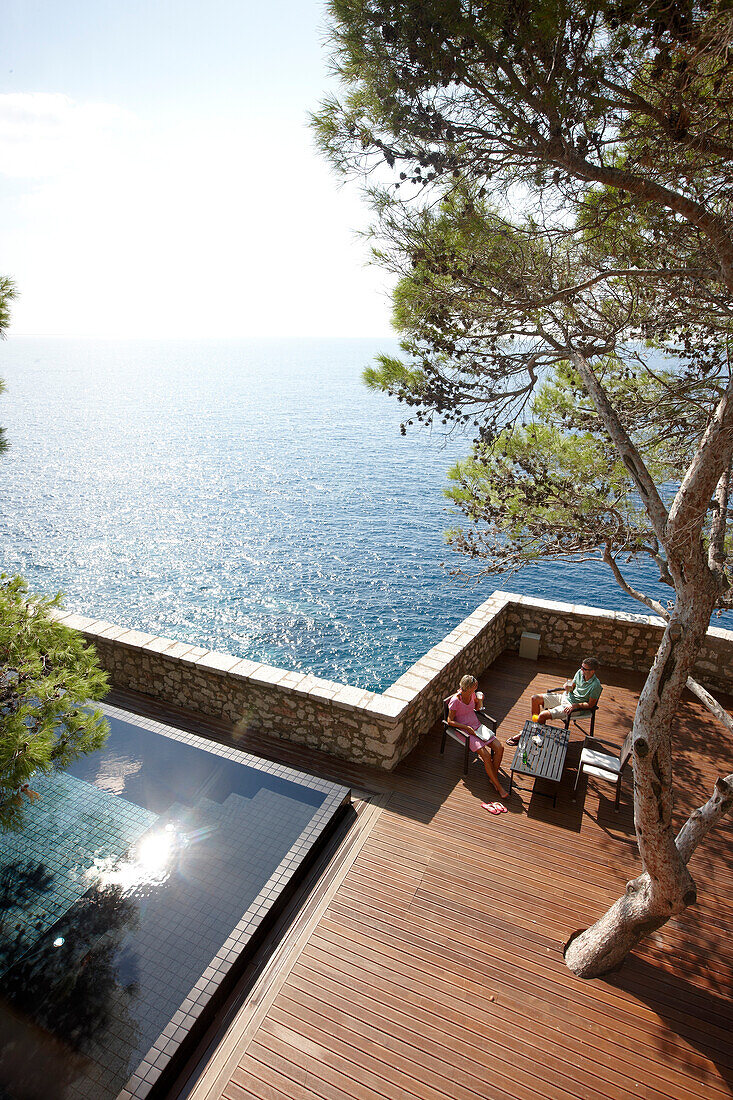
(573, 631)
(471, 647)
(360, 725)
(365, 726)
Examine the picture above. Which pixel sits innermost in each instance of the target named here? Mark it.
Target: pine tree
(47, 676)
(552, 182)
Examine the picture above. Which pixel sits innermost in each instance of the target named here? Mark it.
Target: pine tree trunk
(594, 951)
(666, 887)
(598, 950)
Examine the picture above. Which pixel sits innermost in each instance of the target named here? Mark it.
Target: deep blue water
(253, 497)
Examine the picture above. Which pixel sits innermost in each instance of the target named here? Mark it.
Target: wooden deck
(435, 969)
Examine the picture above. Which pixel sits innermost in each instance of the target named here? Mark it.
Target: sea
(251, 496)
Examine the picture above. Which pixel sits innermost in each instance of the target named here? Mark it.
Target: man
(580, 693)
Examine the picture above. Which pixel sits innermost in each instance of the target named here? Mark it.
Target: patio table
(545, 760)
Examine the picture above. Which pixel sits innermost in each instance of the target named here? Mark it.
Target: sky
(158, 177)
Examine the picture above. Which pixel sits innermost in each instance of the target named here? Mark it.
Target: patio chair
(461, 738)
(577, 717)
(596, 760)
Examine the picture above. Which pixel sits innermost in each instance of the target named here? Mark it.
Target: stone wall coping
(409, 684)
(429, 664)
(137, 638)
(351, 697)
(268, 674)
(217, 662)
(490, 608)
(396, 691)
(159, 645)
(587, 611)
(243, 668)
(291, 680)
(434, 655)
(447, 650)
(103, 629)
(177, 651)
(383, 706)
(416, 678)
(325, 690)
(71, 619)
(194, 653)
(440, 655)
(307, 683)
(720, 633)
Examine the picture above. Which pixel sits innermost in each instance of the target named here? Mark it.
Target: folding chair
(603, 764)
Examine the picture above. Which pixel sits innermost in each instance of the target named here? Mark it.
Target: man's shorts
(556, 703)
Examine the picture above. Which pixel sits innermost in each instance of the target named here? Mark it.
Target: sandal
(491, 807)
(513, 740)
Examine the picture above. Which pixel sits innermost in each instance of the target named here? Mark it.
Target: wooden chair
(596, 760)
(576, 716)
(462, 738)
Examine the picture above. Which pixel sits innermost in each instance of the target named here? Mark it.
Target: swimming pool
(134, 896)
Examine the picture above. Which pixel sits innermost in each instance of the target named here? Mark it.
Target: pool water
(136, 887)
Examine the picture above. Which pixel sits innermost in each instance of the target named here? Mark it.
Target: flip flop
(513, 740)
(501, 808)
(491, 807)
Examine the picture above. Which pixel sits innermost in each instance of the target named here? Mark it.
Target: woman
(462, 716)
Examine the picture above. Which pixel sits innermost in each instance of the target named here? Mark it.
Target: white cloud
(43, 134)
(219, 227)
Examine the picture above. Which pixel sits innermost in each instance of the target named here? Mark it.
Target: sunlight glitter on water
(249, 497)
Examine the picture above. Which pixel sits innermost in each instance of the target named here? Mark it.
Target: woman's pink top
(465, 713)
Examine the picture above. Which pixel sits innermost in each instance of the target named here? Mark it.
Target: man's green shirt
(583, 690)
